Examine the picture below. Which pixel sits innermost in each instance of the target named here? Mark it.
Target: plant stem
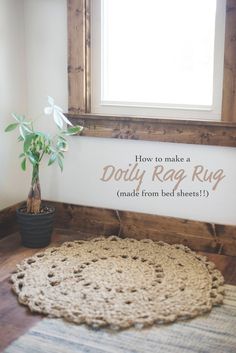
(34, 197)
(41, 156)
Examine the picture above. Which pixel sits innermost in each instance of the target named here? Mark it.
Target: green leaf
(20, 139)
(32, 158)
(62, 145)
(11, 127)
(25, 127)
(52, 149)
(21, 155)
(46, 137)
(22, 132)
(60, 162)
(52, 158)
(16, 117)
(47, 149)
(27, 142)
(61, 138)
(23, 164)
(73, 130)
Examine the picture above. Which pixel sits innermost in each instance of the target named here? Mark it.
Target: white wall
(80, 183)
(12, 98)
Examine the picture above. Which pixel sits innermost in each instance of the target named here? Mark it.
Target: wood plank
(162, 130)
(12, 252)
(78, 55)
(178, 226)
(201, 236)
(86, 219)
(197, 235)
(15, 319)
(229, 84)
(226, 264)
(8, 223)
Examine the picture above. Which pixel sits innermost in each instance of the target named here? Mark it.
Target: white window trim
(156, 111)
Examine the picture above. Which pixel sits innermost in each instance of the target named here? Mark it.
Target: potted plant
(36, 220)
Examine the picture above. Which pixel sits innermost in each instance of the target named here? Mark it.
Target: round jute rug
(118, 282)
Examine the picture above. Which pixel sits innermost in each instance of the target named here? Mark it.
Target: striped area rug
(212, 333)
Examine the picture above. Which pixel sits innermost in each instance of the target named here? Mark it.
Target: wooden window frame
(125, 127)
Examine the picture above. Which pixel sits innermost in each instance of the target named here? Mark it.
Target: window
(157, 58)
(117, 125)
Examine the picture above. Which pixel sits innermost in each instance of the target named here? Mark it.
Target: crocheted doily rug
(118, 282)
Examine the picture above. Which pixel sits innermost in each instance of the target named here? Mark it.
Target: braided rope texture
(118, 283)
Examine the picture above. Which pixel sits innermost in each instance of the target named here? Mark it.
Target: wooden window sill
(163, 130)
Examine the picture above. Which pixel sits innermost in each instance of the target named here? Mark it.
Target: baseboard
(8, 224)
(199, 236)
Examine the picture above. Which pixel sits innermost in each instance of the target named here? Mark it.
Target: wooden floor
(15, 319)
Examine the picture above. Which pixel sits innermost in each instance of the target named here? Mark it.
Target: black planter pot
(35, 229)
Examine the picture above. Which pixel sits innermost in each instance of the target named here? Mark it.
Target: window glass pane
(157, 52)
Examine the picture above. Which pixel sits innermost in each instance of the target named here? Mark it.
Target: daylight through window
(158, 58)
